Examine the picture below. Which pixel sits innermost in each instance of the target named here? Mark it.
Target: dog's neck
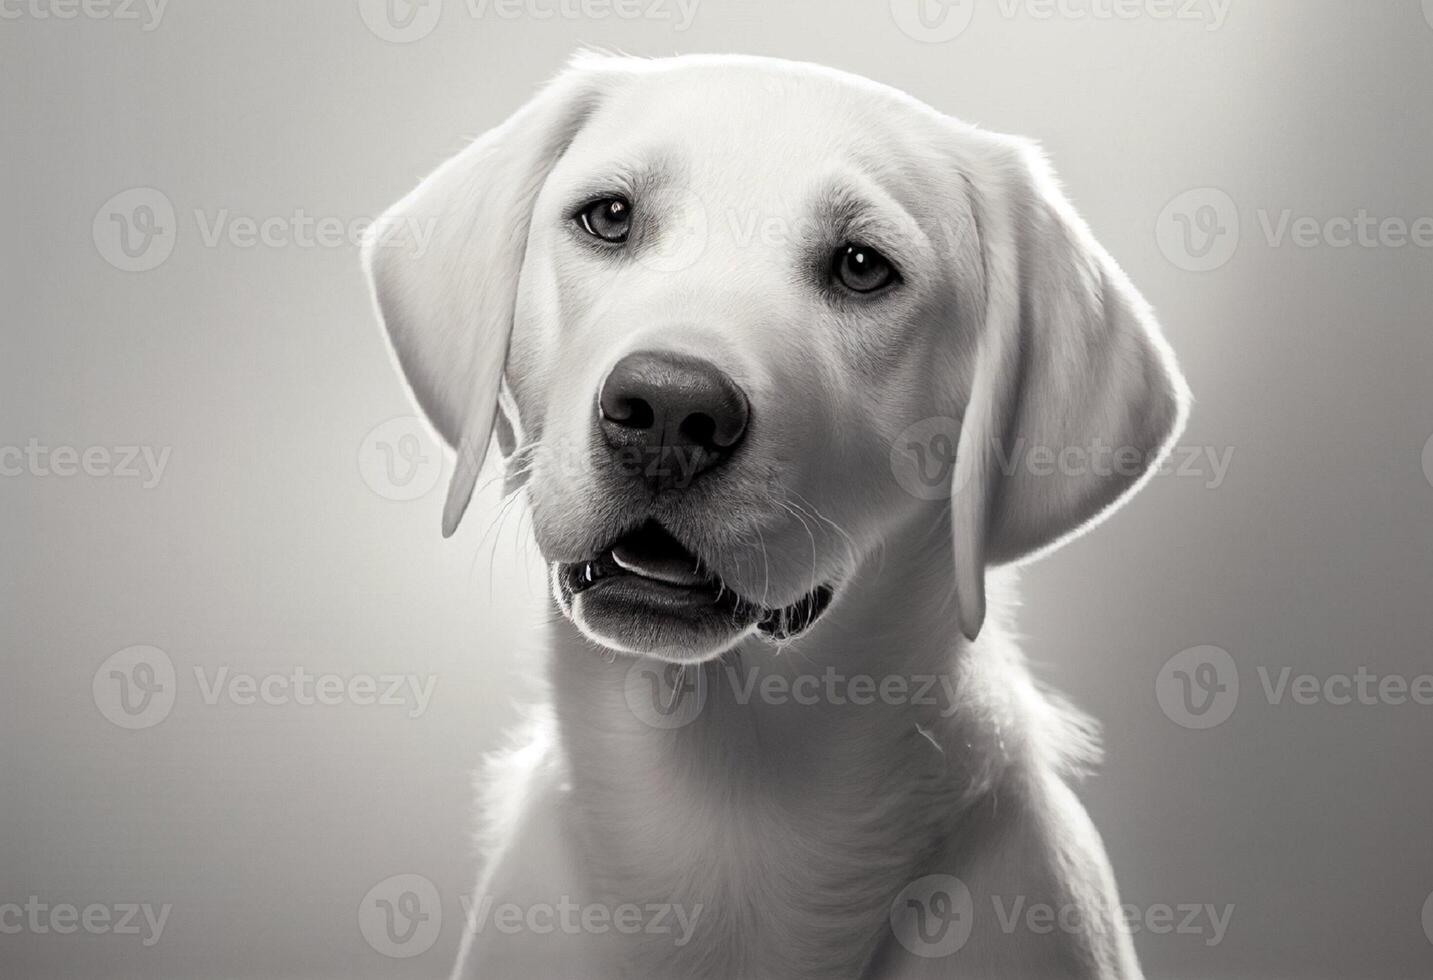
(831, 767)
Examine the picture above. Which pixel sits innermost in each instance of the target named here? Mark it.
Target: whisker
(766, 565)
(853, 551)
(815, 571)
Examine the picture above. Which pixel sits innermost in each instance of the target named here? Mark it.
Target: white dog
(727, 317)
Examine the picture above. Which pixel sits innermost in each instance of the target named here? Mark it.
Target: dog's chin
(646, 594)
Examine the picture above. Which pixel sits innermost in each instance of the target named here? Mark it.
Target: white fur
(791, 827)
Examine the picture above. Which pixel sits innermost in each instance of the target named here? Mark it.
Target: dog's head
(703, 302)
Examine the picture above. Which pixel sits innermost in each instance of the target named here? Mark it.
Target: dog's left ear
(1075, 396)
(444, 264)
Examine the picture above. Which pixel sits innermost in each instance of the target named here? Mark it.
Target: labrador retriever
(773, 351)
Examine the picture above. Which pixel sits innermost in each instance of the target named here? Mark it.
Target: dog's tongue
(653, 553)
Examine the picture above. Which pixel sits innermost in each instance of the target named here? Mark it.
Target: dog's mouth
(646, 589)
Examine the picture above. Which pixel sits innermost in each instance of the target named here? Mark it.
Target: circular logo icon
(1199, 687)
(924, 459)
(932, 21)
(932, 916)
(1428, 917)
(399, 459)
(684, 235)
(1428, 460)
(135, 230)
(401, 916)
(400, 21)
(665, 695)
(1198, 231)
(135, 688)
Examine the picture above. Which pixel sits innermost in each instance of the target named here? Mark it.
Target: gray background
(263, 548)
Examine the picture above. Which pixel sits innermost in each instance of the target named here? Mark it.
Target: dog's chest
(766, 894)
(778, 873)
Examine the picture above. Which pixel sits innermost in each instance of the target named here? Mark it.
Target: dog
(771, 351)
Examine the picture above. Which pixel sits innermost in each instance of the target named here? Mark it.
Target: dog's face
(715, 292)
(719, 323)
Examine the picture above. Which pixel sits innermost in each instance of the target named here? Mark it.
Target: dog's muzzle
(667, 420)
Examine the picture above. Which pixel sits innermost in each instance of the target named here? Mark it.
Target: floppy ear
(443, 264)
(1075, 396)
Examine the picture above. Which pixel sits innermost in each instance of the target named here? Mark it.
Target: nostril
(634, 413)
(700, 428)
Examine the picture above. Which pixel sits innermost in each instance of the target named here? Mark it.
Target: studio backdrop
(247, 681)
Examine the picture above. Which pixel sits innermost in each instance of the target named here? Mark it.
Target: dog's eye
(609, 219)
(862, 269)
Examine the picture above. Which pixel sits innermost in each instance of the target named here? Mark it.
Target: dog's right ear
(443, 264)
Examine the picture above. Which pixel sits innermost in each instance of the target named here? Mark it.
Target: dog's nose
(676, 415)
